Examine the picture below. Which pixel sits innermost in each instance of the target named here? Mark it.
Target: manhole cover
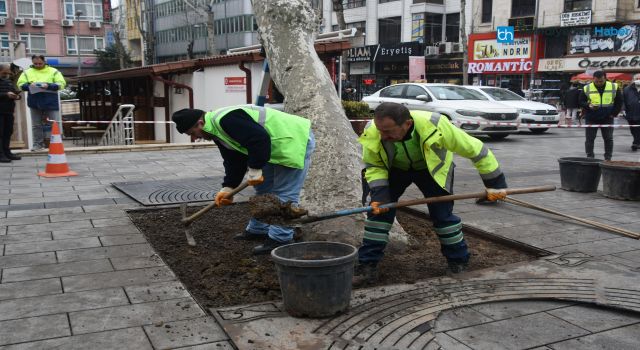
(171, 191)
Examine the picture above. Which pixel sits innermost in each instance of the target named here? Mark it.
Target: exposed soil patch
(621, 163)
(220, 271)
(268, 209)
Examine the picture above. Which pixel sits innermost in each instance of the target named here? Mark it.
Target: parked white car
(530, 111)
(463, 106)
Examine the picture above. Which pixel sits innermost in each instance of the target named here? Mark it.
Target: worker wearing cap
(274, 149)
(402, 147)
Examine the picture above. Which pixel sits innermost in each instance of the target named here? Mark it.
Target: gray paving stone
(595, 319)
(134, 315)
(32, 200)
(133, 250)
(24, 220)
(459, 318)
(122, 240)
(48, 246)
(105, 207)
(134, 338)
(27, 259)
(117, 279)
(25, 237)
(34, 328)
(185, 333)
(444, 341)
(509, 309)
(30, 206)
(30, 288)
(539, 329)
(625, 338)
(605, 247)
(96, 231)
(55, 270)
(115, 221)
(56, 226)
(129, 263)
(221, 345)
(156, 292)
(88, 216)
(632, 255)
(40, 212)
(59, 303)
(557, 239)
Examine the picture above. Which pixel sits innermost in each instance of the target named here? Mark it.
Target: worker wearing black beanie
(186, 118)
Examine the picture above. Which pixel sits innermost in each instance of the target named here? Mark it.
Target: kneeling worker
(402, 147)
(274, 146)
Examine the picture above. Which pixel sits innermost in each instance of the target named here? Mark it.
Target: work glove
(220, 197)
(255, 177)
(494, 195)
(377, 210)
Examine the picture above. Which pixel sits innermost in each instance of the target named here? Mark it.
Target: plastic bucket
(621, 180)
(579, 174)
(315, 277)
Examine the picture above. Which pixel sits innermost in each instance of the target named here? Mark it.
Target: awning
(584, 78)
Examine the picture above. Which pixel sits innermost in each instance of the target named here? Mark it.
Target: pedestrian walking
(402, 147)
(8, 96)
(274, 149)
(601, 102)
(571, 103)
(632, 109)
(42, 82)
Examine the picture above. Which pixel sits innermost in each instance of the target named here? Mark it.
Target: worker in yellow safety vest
(402, 147)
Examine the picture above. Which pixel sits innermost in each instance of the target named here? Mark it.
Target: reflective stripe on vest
(608, 95)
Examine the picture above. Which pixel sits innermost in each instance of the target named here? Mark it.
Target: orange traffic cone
(57, 162)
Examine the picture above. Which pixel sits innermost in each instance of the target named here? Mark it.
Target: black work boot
(13, 156)
(248, 236)
(268, 246)
(365, 274)
(4, 159)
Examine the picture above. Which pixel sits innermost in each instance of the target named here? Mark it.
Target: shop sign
(604, 39)
(576, 64)
(235, 84)
(359, 54)
(576, 18)
(385, 53)
(521, 24)
(416, 67)
(443, 66)
(500, 67)
(359, 68)
(106, 11)
(493, 50)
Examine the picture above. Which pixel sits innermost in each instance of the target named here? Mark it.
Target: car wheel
(539, 130)
(498, 136)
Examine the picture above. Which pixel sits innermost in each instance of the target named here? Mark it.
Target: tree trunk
(287, 30)
(338, 8)
(211, 40)
(463, 42)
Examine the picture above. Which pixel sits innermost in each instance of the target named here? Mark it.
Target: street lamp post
(78, 14)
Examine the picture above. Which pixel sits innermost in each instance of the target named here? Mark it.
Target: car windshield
(454, 93)
(502, 94)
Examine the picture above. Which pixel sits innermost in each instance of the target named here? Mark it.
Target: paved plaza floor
(77, 274)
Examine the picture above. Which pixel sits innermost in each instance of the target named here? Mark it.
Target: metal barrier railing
(120, 131)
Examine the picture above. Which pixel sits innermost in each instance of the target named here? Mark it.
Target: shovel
(345, 212)
(188, 220)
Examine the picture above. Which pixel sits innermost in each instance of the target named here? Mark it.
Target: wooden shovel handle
(200, 212)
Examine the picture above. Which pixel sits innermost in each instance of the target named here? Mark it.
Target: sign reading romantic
(488, 55)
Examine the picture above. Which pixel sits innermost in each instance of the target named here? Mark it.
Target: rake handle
(448, 198)
(187, 220)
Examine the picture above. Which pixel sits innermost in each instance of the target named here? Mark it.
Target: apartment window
(4, 40)
(432, 28)
(36, 44)
(389, 30)
(452, 32)
(577, 5)
(487, 11)
(86, 44)
(30, 8)
(245, 23)
(358, 25)
(438, 2)
(3, 8)
(351, 4)
(91, 9)
(523, 8)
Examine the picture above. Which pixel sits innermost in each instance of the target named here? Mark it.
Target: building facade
(61, 30)
(572, 37)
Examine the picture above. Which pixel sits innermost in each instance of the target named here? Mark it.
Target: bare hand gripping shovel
(188, 220)
(345, 212)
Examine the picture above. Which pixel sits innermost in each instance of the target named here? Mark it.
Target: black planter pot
(579, 174)
(621, 180)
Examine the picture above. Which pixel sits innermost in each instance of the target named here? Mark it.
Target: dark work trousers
(607, 136)
(6, 129)
(635, 132)
(448, 227)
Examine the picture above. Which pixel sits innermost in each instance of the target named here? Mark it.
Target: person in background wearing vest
(571, 102)
(8, 96)
(274, 149)
(402, 147)
(43, 83)
(601, 102)
(632, 109)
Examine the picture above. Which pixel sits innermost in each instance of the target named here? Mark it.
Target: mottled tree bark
(287, 30)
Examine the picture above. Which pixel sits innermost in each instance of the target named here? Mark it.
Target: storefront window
(389, 30)
(433, 28)
(452, 32)
(523, 8)
(487, 11)
(576, 5)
